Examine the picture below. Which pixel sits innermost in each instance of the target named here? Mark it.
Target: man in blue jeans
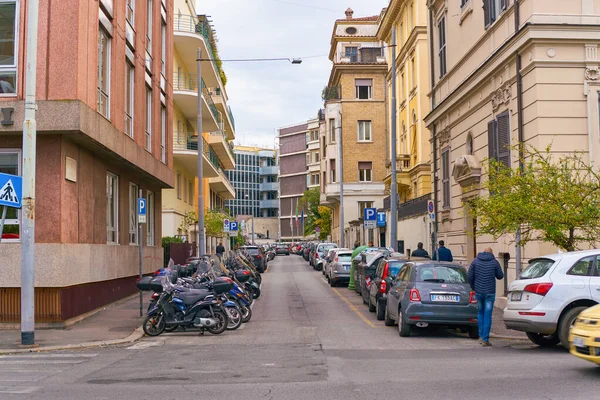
(484, 271)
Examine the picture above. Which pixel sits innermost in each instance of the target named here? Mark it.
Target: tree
(316, 215)
(554, 199)
(213, 222)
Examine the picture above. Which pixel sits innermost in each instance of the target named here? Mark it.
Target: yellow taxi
(584, 337)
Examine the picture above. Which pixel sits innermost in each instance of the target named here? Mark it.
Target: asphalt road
(305, 341)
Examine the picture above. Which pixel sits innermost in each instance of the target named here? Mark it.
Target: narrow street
(305, 340)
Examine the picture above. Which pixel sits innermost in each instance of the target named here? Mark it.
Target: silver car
(329, 259)
(338, 271)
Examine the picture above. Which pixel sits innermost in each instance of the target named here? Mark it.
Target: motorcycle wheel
(154, 325)
(171, 328)
(235, 318)
(258, 279)
(222, 322)
(246, 314)
(256, 293)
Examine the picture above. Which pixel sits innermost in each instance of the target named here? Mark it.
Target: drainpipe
(341, 175)
(520, 139)
(434, 135)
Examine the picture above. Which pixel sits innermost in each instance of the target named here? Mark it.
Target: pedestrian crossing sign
(11, 187)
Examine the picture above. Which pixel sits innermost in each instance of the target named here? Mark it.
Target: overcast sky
(267, 95)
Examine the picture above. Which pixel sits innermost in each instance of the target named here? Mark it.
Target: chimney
(349, 13)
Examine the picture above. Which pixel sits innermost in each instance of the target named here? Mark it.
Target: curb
(135, 336)
(493, 335)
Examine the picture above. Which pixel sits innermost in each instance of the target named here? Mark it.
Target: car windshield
(347, 257)
(442, 274)
(326, 247)
(394, 268)
(252, 251)
(537, 268)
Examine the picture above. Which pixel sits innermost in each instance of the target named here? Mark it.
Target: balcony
(269, 204)
(413, 208)
(218, 141)
(331, 93)
(273, 170)
(364, 55)
(222, 186)
(403, 165)
(220, 99)
(189, 34)
(186, 152)
(185, 96)
(269, 187)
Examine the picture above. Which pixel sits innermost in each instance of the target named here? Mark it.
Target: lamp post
(247, 196)
(201, 229)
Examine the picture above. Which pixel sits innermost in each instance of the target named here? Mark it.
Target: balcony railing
(413, 207)
(332, 93)
(269, 204)
(189, 82)
(229, 145)
(365, 55)
(402, 163)
(268, 187)
(231, 117)
(273, 170)
(190, 24)
(191, 144)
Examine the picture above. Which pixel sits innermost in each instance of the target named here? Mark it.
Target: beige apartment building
(355, 114)
(508, 72)
(193, 31)
(104, 115)
(413, 150)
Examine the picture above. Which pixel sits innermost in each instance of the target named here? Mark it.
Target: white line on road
(48, 356)
(144, 345)
(38, 362)
(28, 390)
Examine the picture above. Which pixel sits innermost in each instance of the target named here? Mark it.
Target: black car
(258, 257)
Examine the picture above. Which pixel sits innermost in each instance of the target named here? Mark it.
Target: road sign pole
(201, 229)
(141, 255)
(2, 221)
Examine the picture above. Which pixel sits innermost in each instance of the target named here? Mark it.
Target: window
(163, 133)
(411, 15)
(537, 268)
(492, 9)
(131, 12)
(129, 95)
(402, 87)
(442, 45)
(149, 26)
(413, 73)
(315, 179)
(499, 139)
(133, 222)
(446, 178)
(185, 197)
(332, 176)
(150, 219)
(362, 205)
(8, 50)
(352, 53)
(112, 208)
(332, 130)
(10, 163)
(179, 185)
(364, 131)
(469, 144)
(163, 47)
(364, 171)
(363, 88)
(191, 193)
(103, 73)
(148, 127)
(582, 267)
(315, 156)
(314, 135)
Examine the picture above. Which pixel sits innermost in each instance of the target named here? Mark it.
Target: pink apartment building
(104, 125)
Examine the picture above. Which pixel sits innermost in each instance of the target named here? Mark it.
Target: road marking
(353, 308)
(48, 356)
(33, 362)
(144, 345)
(28, 390)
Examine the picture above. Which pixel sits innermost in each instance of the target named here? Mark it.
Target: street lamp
(252, 214)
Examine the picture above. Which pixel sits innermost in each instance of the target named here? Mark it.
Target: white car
(550, 293)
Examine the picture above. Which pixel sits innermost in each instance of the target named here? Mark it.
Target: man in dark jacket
(420, 251)
(484, 271)
(443, 253)
(220, 250)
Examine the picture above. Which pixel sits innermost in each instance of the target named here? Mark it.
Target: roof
(373, 18)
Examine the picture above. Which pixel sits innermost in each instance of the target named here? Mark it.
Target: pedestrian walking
(370, 243)
(420, 251)
(220, 250)
(443, 253)
(484, 271)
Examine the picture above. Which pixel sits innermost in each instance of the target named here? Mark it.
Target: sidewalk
(115, 324)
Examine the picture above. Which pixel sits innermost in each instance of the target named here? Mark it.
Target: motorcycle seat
(191, 296)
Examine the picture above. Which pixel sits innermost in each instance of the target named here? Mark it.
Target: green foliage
(315, 214)
(554, 199)
(189, 219)
(213, 222)
(239, 239)
(166, 240)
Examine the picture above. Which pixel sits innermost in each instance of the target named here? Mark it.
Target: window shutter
(487, 13)
(365, 165)
(503, 5)
(492, 140)
(503, 138)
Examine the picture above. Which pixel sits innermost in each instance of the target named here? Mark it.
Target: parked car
(258, 257)
(329, 258)
(432, 293)
(359, 259)
(282, 248)
(381, 282)
(550, 293)
(320, 253)
(366, 271)
(585, 335)
(338, 271)
(306, 252)
(313, 252)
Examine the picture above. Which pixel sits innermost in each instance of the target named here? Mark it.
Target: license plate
(516, 296)
(578, 341)
(445, 297)
(346, 268)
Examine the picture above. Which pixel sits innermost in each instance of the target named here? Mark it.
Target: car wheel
(473, 332)
(543, 340)
(371, 306)
(565, 323)
(403, 328)
(331, 282)
(380, 311)
(387, 319)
